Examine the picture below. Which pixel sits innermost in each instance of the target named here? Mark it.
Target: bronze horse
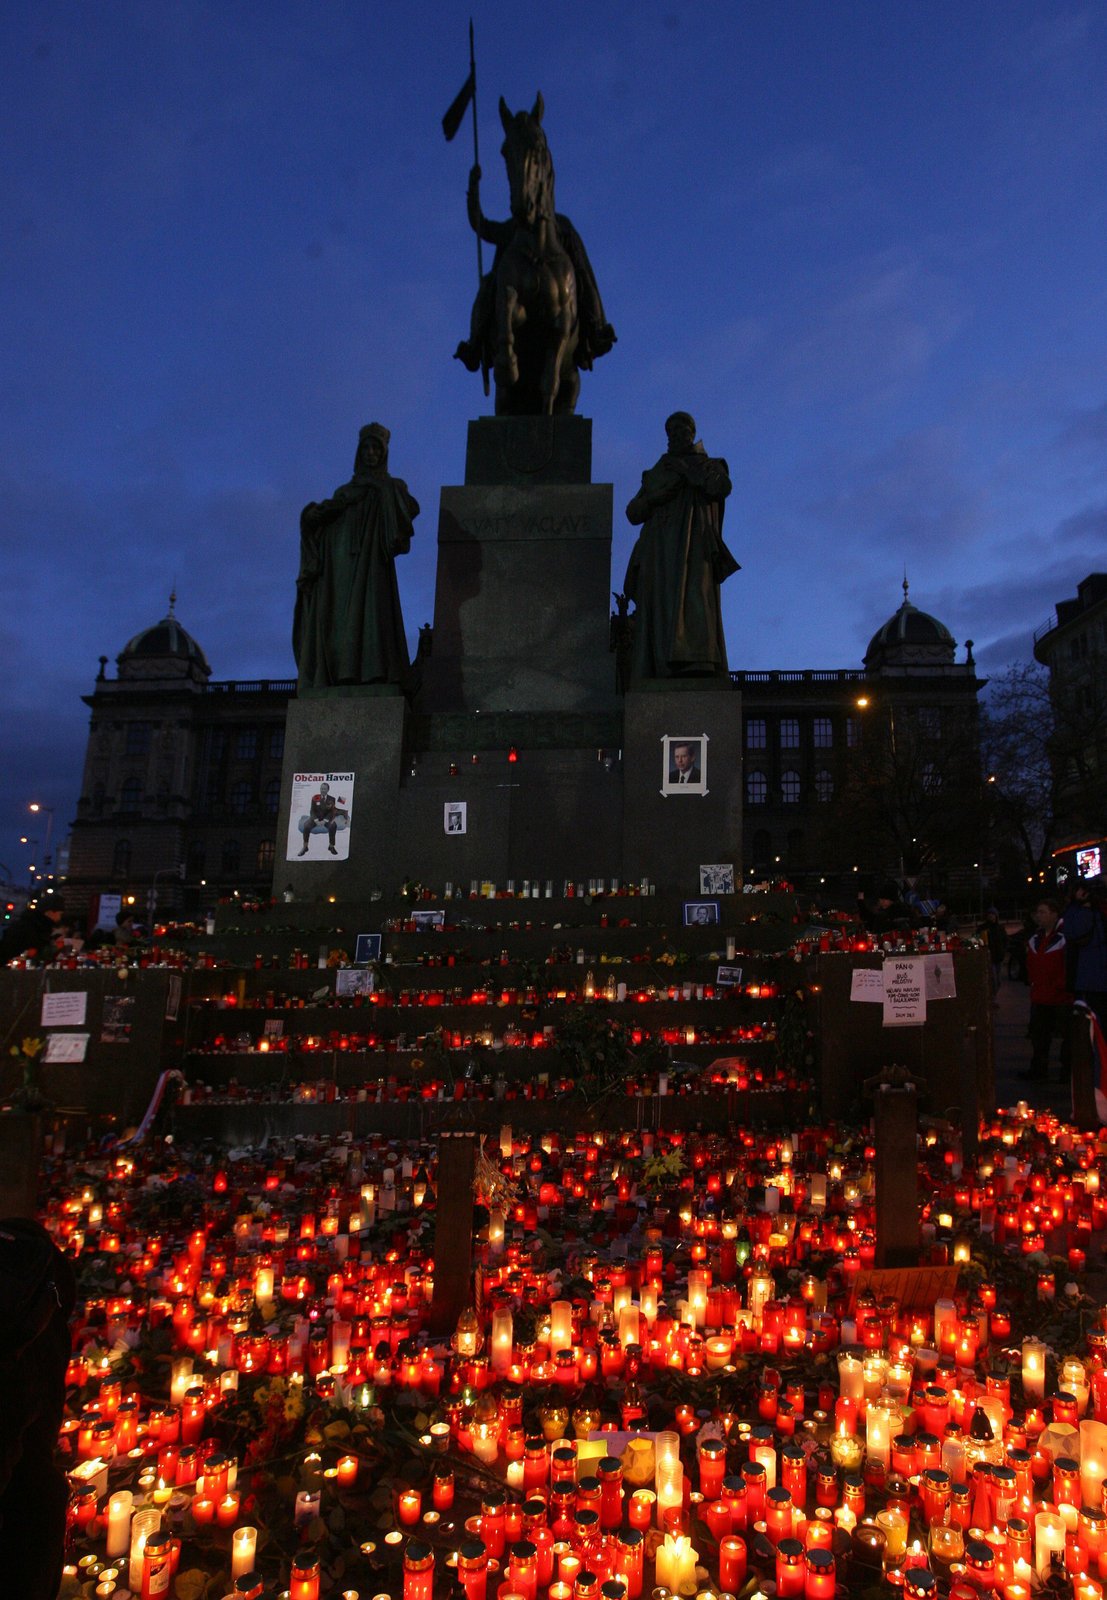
(538, 318)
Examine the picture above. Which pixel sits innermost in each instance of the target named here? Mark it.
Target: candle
(1049, 1540)
(243, 1549)
(732, 1563)
(790, 1569)
(819, 1575)
(304, 1579)
(409, 1506)
(676, 1562)
(347, 1471)
(203, 1511)
(1093, 1461)
(1033, 1369)
(226, 1512)
(120, 1510)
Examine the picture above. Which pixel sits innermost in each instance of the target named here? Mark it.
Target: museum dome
(910, 636)
(165, 648)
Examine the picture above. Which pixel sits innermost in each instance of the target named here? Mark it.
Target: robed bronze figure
(679, 561)
(538, 317)
(348, 627)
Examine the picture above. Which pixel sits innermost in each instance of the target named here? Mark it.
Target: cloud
(1085, 428)
(1088, 526)
(877, 338)
(914, 496)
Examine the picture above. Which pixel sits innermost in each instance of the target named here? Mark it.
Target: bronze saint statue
(348, 627)
(679, 561)
(538, 317)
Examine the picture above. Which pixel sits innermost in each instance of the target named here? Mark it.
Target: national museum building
(183, 771)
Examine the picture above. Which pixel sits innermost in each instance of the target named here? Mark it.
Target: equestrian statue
(538, 319)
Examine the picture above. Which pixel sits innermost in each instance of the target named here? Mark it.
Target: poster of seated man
(319, 816)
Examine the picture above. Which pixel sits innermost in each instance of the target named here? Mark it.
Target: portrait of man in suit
(684, 765)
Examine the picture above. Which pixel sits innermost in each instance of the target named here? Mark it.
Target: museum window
(931, 778)
(824, 786)
(756, 733)
(823, 730)
(789, 733)
(213, 792)
(130, 796)
(242, 797)
(790, 787)
(217, 743)
(232, 855)
(246, 744)
(853, 732)
(930, 722)
(137, 739)
(276, 744)
(272, 797)
(121, 858)
(757, 788)
(266, 853)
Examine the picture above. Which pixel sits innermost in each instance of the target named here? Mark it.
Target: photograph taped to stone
(717, 879)
(319, 816)
(684, 764)
(455, 816)
(700, 913)
(368, 948)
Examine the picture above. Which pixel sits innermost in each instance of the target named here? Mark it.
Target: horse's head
(529, 168)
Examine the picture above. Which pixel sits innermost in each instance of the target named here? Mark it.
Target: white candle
(561, 1325)
(1074, 1381)
(628, 1326)
(1093, 1461)
(341, 1333)
(667, 1448)
(503, 1336)
(669, 1476)
(1033, 1369)
(495, 1231)
(180, 1379)
(143, 1524)
(676, 1562)
(945, 1312)
(766, 1455)
(851, 1377)
(243, 1549)
(697, 1297)
(878, 1439)
(1049, 1539)
(647, 1303)
(120, 1509)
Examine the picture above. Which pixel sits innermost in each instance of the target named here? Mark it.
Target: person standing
(37, 1291)
(1085, 930)
(1050, 998)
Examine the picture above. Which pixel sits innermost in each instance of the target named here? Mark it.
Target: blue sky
(862, 243)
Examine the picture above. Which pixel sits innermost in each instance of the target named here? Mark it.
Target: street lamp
(37, 807)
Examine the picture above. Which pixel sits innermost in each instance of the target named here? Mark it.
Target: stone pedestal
(354, 730)
(522, 596)
(670, 831)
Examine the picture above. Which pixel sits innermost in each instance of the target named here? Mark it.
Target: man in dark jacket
(37, 1291)
(33, 932)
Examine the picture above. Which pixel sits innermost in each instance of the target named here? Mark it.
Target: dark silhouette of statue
(348, 627)
(679, 561)
(538, 319)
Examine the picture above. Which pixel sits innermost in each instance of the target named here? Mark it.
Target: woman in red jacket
(1050, 1000)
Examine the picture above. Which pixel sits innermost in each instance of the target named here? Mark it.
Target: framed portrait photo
(684, 763)
(367, 948)
(701, 913)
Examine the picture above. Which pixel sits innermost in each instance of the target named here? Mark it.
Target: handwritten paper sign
(867, 983)
(915, 1288)
(64, 1008)
(66, 1047)
(904, 992)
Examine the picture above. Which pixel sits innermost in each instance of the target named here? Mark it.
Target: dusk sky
(865, 244)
